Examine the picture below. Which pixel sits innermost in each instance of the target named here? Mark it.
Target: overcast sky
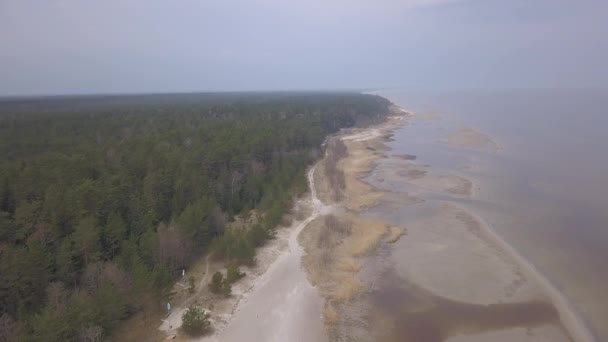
(115, 46)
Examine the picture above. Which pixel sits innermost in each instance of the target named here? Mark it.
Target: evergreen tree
(104, 200)
(195, 321)
(114, 233)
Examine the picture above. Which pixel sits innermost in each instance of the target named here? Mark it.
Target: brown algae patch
(425, 180)
(405, 156)
(471, 138)
(405, 312)
(447, 183)
(395, 233)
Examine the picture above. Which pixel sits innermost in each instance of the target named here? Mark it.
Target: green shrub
(226, 288)
(195, 321)
(192, 284)
(233, 273)
(216, 282)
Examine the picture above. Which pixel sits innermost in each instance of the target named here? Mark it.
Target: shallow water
(420, 316)
(400, 308)
(544, 191)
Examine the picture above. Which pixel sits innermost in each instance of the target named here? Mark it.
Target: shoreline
(336, 245)
(570, 320)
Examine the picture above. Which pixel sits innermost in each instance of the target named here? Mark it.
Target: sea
(544, 191)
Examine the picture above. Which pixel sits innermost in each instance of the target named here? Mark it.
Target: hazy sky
(110, 46)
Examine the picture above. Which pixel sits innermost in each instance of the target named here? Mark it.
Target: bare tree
(257, 167)
(216, 221)
(90, 333)
(235, 182)
(42, 234)
(173, 247)
(336, 150)
(10, 330)
(98, 273)
(56, 295)
(114, 275)
(91, 277)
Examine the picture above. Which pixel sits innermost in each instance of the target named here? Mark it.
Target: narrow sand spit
(440, 275)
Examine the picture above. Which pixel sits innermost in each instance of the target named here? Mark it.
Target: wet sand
(443, 276)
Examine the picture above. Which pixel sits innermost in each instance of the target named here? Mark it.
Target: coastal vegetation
(105, 199)
(335, 243)
(195, 321)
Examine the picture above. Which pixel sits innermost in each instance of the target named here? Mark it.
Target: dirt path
(281, 305)
(278, 305)
(204, 281)
(172, 322)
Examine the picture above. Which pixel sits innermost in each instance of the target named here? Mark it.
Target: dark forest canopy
(105, 198)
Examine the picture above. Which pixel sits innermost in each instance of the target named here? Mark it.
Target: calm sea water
(545, 192)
